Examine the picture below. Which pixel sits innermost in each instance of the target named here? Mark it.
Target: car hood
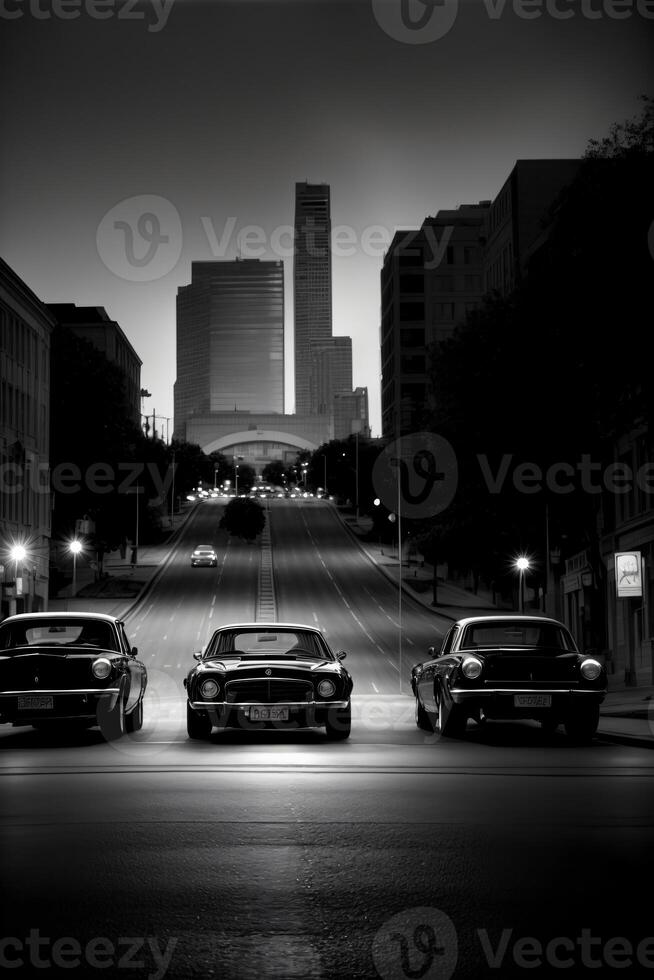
(278, 668)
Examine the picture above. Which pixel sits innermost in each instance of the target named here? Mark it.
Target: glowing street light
(522, 564)
(75, 547)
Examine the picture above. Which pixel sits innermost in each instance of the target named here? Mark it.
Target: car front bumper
(301, 714)
(26, 707)
(500, 702)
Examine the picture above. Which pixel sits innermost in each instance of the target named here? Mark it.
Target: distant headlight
(590, 669)
(209, 689)
(326, 689)
(471, 668)
(101, 668)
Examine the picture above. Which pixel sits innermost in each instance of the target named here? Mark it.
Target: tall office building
(312, 283)
(330, 374)
(230, 340)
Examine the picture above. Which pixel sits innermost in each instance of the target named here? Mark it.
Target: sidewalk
(123, 584)
(627, 713)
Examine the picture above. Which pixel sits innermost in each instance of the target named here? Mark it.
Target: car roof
(267, 625)
(514, 617)
(204, 547)
(71, 614)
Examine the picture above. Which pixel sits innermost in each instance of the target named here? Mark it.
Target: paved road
(395, 854)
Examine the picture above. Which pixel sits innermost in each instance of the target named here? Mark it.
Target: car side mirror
(341, 655)
(197, 655)
(435, 651)
(135, 651)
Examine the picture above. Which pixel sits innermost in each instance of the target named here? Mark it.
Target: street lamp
(75, 548)
(18, 553)
(522, 564)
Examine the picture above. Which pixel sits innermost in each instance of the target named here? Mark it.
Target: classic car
(268, 675)
(75, 668)
(506, 667)
(204, 555)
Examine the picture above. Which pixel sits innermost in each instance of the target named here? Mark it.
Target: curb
(171, 544)
(406, 589)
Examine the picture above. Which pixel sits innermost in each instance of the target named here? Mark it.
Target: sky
(136, 139)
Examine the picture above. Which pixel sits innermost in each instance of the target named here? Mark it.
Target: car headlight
(326, 689)
(590, 669)
(209, 689)
(101, 668)
(471, 668)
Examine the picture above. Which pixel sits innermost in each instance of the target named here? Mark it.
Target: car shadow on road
(520, 733)
(51, 736)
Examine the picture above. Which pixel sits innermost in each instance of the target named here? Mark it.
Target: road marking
(375, 688)
(394, 666)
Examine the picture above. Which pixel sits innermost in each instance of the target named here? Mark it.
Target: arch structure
(250, 437)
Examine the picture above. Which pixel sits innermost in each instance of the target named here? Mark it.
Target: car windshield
(207, 550)
(516, 633)
(258, 644)
(57, 633)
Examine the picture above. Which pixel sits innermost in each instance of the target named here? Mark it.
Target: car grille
(265, 690)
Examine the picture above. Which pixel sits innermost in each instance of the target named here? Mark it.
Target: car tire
(582, 726)
(134, 720)
(338, 723)
(423, 720)
(451, 721)
(198, 723)
(112, 720)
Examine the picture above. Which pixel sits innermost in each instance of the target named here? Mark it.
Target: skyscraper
(230, 339)
(312, 282)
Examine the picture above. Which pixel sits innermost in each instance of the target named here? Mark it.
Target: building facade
(331, 373)
(516, 219)
(25, 501)
(351, 414)
(94, 324)
(230, 339)
(431, 278)
(312, 283)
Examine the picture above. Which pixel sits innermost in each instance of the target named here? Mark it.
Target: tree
(243, 518)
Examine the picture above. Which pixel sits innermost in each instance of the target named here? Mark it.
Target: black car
(72, 668)
(505, 667)
(268, 675)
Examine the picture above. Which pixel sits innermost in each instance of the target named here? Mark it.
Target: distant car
(204, 555)
(509, 667)
(268, 675)
(75, 668)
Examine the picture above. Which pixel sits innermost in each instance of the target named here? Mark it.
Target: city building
(312, 283)
(331, 373)
(430, 279)
(518, 216)
(94, 324)
(26, 327)
(351, 414)
(230, 340)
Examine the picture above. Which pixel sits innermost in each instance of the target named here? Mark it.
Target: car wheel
(422, 718)
(582, 726)
(451, 721)
(339, 723)
(112, 720)
(198, 723)
(134, 720)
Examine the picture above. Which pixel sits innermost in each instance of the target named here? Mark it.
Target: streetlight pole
(75, 547)
(522, 564)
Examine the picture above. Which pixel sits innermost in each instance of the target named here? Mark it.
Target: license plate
(269, 714)
(39, 703)
(532, 700)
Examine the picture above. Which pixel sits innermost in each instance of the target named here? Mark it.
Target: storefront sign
(628, 574)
